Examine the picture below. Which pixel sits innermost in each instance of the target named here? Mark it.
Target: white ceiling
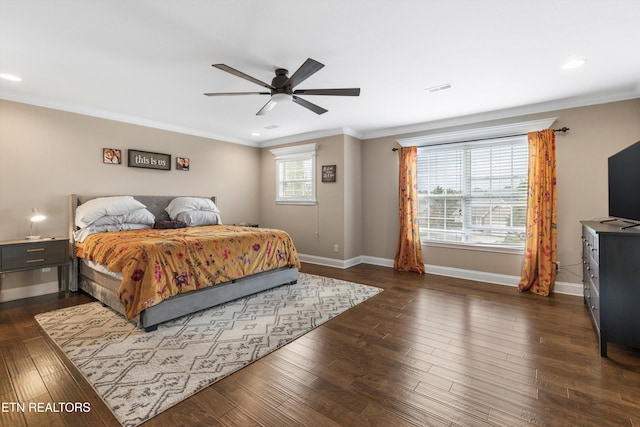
(149, 62)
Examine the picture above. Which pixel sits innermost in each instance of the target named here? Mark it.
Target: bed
(186, 280)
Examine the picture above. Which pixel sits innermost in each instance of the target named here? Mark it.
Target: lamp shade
(36, 216)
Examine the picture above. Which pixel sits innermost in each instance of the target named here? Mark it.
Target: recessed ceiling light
(10, 77)
(255, 133)
(573, 63)
(438, 88)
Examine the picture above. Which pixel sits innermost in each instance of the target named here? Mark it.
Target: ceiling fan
(282, 87)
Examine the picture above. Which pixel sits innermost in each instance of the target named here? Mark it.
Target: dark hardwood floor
(429, 350)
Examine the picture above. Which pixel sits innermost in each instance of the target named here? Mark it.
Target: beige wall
(596, 133)
(337, 217)
(379, 198)
(48, 154)
(315, 229)
(352, 176)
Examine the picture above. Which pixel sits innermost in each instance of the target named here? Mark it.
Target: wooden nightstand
(20, 255)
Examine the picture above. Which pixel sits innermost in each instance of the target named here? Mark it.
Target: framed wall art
(328, 173)
(182, 163)
(111, 156)
(149, 160)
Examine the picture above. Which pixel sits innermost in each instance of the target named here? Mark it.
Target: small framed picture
(329, 173)
(111, 156)
(182, 163)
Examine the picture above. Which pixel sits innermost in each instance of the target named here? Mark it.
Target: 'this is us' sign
(146, 159)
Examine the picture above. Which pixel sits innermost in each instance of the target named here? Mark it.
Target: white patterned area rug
(138, 374)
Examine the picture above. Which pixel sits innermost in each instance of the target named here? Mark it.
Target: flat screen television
(624, 185)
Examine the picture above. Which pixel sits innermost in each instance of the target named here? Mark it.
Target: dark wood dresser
(611, 280)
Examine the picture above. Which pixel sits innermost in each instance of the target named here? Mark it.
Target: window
(474, 193)
(296, 174)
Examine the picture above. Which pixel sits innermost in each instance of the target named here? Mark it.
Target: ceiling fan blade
(266, 108)
(336, 92)
(306, 70)
(236, 93)
(306, 104)
(242, 75)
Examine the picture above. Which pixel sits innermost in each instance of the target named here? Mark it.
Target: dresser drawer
(594, 305)
(591, 246)
(592, 275)
(34, 255)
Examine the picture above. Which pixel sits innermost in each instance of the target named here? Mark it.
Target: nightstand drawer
(34, 255)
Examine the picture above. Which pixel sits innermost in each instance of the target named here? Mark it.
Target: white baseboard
(28, 291)
(480, 276)
(330, 262)
(569, 288)
(383, 262)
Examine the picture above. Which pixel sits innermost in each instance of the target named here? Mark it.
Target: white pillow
(80, 235)
(141, 216)
(194, 218)
(185, 204)
(87, 213)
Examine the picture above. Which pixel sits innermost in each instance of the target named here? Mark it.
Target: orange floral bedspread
(157, 264)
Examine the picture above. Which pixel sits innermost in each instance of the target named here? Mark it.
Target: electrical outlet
(557, 265)
(336, 248)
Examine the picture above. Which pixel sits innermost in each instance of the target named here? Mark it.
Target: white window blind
(474, 193)
(295, 174)
(295, 179)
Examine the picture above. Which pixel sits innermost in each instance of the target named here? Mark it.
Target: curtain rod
(563, 130)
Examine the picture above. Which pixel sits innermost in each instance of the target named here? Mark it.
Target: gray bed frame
(104, 287)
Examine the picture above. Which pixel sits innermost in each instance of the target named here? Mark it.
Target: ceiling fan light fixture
(281, 97)
(281, 89)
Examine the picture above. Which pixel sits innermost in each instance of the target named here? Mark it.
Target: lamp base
(33, 237)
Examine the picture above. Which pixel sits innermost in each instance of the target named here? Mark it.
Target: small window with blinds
(474, 193)
(295, 174)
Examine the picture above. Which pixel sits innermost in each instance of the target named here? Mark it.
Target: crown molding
(545, 107)
(109, 115)
(310, 135)
(502, 114)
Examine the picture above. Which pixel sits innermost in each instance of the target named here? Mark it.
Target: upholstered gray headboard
(155, 204)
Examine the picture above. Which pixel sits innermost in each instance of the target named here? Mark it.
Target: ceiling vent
(438, 88)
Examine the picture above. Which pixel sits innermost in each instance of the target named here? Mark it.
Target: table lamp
(35, 218)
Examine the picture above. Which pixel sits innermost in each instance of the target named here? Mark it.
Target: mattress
(159, 264)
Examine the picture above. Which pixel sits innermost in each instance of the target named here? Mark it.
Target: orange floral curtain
(539, 269)
(409, 252)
